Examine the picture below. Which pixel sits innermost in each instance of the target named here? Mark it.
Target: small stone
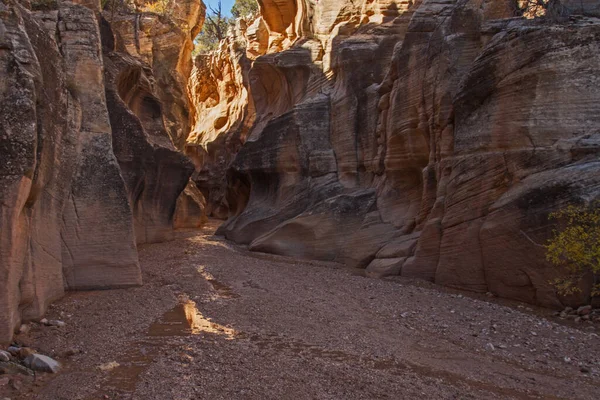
(14, 350)
(44, 321)
(490, 294)
(568, 310)
(567, 359)
(577, 319)
(490, 346)
(584, 369)
(4, 356)
(56, 322)
(502, 346)
(24, 329)
(533, 334)
(109, 366)
(39, 362)
(563, 314)
(585, 317)
(16, 384)
(25, 352)
(70, 352)
(404, 314)
(584, 310)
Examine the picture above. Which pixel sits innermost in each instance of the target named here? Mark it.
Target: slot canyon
(345, 199)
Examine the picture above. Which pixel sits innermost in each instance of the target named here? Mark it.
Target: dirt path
(215, 322)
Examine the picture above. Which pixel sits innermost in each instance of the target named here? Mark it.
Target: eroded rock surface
(88, 164)
(437, 134)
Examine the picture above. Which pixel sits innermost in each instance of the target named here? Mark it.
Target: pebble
(39, 362)
(490, 346)
(56, 322)
(584, 310)
(44, 321)
(24, 329)
(16, 384)
(4, 356)
(25, 352)
(70, 352)
(14, 350)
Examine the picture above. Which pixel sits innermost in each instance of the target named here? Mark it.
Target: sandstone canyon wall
(426, 138)
(92, 105)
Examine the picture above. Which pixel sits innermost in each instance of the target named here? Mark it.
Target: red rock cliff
(427, 139)
(89, 122)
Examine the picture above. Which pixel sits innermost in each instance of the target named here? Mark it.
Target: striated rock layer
(147, 61)
(426, 139)
(88, 166)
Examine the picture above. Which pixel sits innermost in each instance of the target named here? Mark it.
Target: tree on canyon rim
(552, 9)
(213, 31)
(243, 8)
(217, 23)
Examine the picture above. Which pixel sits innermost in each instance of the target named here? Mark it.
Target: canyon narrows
(421, 142)
(427, 139)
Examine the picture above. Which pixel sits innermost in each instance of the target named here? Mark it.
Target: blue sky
(225, 5)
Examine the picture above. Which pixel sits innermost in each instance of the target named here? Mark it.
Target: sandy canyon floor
(214, 321)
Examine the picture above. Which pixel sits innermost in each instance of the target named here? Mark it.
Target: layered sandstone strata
(427, 139)
(67, 215)
(147, 62)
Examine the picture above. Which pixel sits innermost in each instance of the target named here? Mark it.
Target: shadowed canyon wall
(93, 105)
(425, 138)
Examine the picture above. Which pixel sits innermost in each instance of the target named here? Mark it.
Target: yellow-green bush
(160, 7)
(576, 247)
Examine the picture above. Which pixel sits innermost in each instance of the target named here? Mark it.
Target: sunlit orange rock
(454, 127)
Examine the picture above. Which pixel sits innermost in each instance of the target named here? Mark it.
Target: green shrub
(576, 247)
(243, 8)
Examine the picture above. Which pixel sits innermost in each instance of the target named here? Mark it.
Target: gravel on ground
(214, 321)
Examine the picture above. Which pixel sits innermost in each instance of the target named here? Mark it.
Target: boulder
(42, 363)
(383, 267)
